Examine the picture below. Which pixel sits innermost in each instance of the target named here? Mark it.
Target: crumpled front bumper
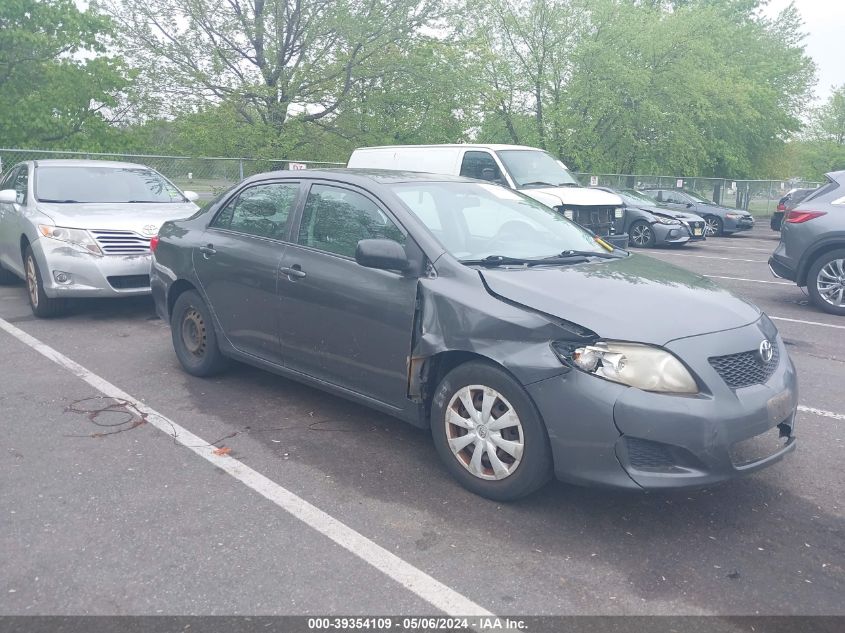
(609, 434)
(90, 275)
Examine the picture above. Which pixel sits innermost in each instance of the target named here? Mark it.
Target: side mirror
(382, 254)
(690, 205)
(8, 196)
(191, 195)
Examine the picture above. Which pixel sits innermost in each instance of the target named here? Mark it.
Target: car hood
(580, 196)
(670, 213)
(632, 299)
(117, 217)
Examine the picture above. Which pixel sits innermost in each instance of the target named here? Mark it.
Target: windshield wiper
(571, 253)
(59, 201)
(145, 201)
(539, 183)
(503, 260)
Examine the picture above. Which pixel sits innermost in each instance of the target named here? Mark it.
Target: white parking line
(739, 248)
(838, 327)
(821, 412)
(756, 281)
(415, 580)
(730, 259)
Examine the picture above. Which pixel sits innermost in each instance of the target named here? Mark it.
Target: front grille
(123, 282)
(647, 455)
(599, 220)
(746, 368)
(122, 242)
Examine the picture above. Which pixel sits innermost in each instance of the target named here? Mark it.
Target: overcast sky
(824, 23)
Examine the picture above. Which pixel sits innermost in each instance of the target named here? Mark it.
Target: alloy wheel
(193, 332)
(711, 227)
(831, 282)
(484, 432)
(32, 281)
(641, 235)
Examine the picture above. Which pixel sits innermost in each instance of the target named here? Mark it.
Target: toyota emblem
(766, 351)
(150, 229)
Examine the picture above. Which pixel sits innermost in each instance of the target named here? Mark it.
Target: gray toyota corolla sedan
(525, 345)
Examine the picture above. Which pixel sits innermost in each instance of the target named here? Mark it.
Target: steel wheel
(830, 282)
(484, 432)
(642, 234)
(712, 226)
(194, 332)
(32, 281)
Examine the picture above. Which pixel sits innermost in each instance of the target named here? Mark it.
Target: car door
(341, 322)
(13, 220)
(237, 265)
(6, 218)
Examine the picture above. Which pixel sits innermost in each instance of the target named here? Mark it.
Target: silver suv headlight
(77, 237)
(642, 366)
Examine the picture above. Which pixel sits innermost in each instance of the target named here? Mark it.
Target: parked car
(529, 170)
(77, 228)
(788, 202)
(811, 251)
(649, 224)
(718, 220)
(525, 346)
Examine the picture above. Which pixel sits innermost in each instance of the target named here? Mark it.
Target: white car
(529, 170)
(79, 228)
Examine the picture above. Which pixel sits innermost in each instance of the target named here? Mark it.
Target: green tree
(57, 85)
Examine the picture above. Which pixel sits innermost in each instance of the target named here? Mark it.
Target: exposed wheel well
(813, 256)
(24, 244)
(179, 286)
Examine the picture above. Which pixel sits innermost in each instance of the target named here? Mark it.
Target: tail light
(781, 207)
(797, 217)
(153, 243)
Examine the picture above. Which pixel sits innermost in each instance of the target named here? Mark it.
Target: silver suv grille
(122, 242)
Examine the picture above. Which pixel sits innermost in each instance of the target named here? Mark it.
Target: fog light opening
(62, 277)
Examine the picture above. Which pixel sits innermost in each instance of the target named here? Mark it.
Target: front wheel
(826, 282)
(713, 226)
(642, 235)
(42, 306)
(194, 338)
(489, 434)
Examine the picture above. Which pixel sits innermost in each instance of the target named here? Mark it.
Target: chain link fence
(209, 175)
(205, 175)
(760, 197)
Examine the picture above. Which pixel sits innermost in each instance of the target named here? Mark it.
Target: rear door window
(262, 210)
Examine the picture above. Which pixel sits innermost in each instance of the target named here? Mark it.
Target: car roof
(73, 162)
(493, 146)
(361, 176)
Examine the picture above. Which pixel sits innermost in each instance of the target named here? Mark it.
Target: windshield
(103, 184)
(634, 197)
(535, 168)
(698, 198)
(474, 221)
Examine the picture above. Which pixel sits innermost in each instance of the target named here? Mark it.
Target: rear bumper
(90, 275)
(781, 269)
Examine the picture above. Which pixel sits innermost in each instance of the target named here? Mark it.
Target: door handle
(207, 251)
(293, 272)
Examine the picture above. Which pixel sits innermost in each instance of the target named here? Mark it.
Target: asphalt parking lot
(128, 513)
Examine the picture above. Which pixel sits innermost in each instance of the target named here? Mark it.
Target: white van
(529, 170)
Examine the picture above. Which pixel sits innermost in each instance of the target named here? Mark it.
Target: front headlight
(77, 237)
(734, 216)
(641, 366)
(666, 220)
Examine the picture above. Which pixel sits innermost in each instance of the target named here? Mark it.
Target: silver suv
(811, 251)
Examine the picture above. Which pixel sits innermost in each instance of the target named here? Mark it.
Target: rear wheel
(642, 234)
(489, 434)
(42, 305)
(826, 282)
(194, 338)
(713, 226)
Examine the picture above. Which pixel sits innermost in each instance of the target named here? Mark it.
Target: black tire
(776, 221)
(813, 280)
(42, 306)
(194, 338)
(642, 231)
(718, 227)
(534, 465)
(7, 277)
